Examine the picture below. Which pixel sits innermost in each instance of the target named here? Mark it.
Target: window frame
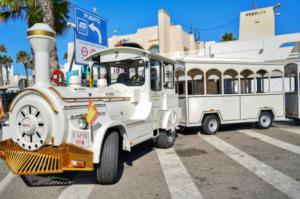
(108, 68)
(160, 74)
(164, 75)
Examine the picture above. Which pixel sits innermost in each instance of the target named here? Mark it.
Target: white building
(257, 41)
(163, 38)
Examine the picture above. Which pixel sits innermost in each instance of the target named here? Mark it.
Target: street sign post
(90, 34)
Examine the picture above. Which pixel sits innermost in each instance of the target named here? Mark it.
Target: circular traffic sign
(84, 51)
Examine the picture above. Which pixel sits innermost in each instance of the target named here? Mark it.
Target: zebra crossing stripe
(284, 145)
(6, 180)
(283, 183)
(179, 181)
(291, 130)
(77, 192)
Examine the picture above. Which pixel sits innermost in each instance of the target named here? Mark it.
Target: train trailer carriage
(213, 92)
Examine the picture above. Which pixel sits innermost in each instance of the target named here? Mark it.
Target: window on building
(231, 82)
(155, 75)
(213, 82)
(247, 82)
(196, 86)
(168, 76)
(262, 81)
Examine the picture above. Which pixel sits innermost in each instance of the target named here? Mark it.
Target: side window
(155, 75)
(168, 76)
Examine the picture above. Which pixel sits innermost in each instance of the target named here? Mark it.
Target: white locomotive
(46, 130)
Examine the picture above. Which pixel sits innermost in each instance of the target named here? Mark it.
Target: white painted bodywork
(127, 109)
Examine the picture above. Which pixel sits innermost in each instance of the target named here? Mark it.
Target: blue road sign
(90, 34)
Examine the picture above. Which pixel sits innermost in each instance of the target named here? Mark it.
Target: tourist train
(139, 96)
(46, 130)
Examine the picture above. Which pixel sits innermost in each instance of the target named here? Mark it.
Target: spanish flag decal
(92, 114)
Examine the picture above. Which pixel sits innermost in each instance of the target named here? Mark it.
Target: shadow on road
(235, 127)
(72, 178)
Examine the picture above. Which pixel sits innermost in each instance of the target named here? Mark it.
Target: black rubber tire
(206, 123)
(165, 139)
(296, 120)
(107, 170)
(260, 123)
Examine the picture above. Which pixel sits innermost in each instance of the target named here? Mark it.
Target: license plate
(80, 138)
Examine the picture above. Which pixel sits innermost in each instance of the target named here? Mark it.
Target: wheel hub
(29, 125)
(213, 125)
(265, 120)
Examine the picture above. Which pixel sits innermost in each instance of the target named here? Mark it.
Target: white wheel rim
(265, 120)
(213, 125)
(31, 126)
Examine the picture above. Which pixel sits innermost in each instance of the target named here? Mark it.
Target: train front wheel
(107, 170)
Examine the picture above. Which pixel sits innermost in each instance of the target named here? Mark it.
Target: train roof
(129, 50)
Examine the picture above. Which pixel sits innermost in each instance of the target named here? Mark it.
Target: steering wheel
(137, 80)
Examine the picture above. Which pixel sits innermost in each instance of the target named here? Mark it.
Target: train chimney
(42, 39)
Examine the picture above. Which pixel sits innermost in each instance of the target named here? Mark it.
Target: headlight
(82, 123)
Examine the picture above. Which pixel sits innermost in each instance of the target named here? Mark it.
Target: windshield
(129, 72)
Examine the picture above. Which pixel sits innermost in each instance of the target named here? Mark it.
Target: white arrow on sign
(95, 29)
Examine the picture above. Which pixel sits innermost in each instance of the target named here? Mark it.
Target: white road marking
(291, 130)
(179, 181)
(77, 192)
(284, 145)
(275, 178)
(6, 180)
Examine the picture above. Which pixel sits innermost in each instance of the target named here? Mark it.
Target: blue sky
(127, 16)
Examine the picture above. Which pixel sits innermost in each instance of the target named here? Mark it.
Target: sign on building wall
(90, 34)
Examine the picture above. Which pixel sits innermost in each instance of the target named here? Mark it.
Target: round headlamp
(82, 123)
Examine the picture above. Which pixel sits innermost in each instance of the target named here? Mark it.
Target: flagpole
(91, 125)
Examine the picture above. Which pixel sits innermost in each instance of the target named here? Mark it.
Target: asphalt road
(239, 162)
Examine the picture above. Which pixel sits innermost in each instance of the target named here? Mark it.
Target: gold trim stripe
(38, 93)
(41, 33)
(108, 98)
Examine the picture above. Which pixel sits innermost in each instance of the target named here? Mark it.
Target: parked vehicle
(47, 132)
(213, 92)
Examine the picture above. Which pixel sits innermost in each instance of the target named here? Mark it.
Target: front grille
(46, 160)
(24, 163)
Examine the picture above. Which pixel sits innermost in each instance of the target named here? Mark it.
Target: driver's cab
(146, 78)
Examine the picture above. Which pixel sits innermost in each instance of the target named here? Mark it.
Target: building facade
(164, 38)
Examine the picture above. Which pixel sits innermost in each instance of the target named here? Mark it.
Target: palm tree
(7, 61)
(2, 50)
(1, 74)
(47, 8)
(37, 11)
(25, 59)
(228, 36)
